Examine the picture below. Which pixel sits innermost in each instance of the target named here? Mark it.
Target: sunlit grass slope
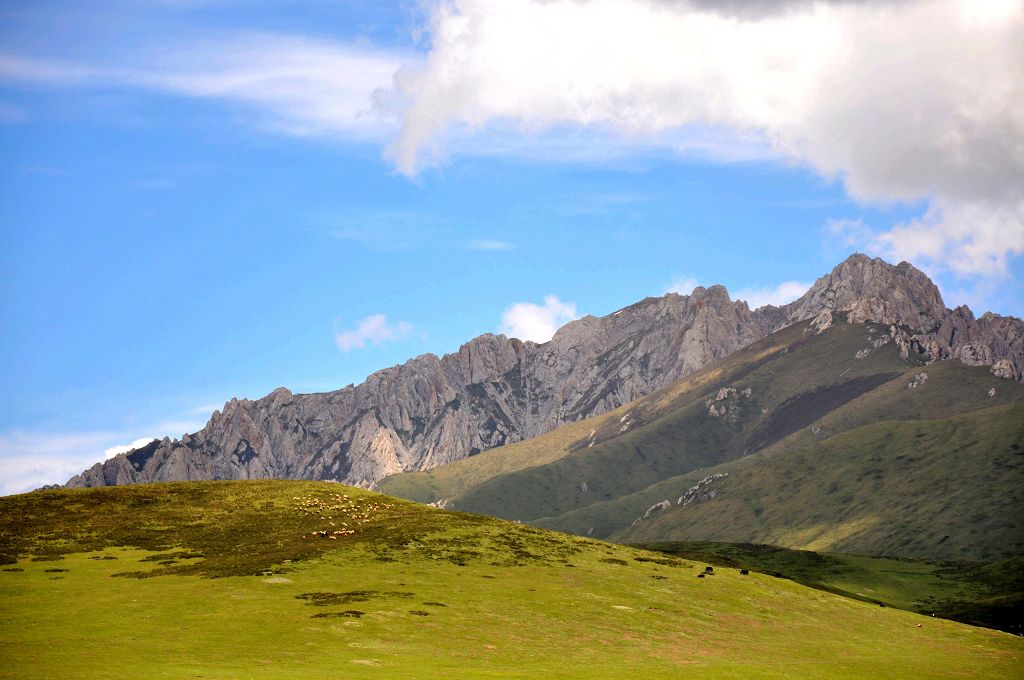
(235, 580)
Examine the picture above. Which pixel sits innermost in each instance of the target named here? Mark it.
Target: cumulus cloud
(529, 321)
(293, 84)
(962, 239)
(899, 101)
(781, 294)
(374, 330)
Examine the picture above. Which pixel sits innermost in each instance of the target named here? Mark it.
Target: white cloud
(781, 294)
(900, 101)
(112, 451)
(963, 238)
(30, 459)
(375, 330)
(683, 285)
(295, 85)
(528, 321)
(485, 244)
(966, 240)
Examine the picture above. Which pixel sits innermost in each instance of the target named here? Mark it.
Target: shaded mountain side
(496, 391)
(938, 489)
(949, 390)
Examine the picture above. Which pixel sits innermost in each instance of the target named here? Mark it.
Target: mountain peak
(872, 289)
(497, 390)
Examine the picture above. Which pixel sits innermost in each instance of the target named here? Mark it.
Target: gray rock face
(497, 390)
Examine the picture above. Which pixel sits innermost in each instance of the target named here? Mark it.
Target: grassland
(234, 580)
(983, 594)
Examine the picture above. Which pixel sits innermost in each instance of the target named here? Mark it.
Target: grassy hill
(878, 466)
(235, 580)
(984, 594)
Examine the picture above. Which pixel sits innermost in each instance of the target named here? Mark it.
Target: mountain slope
(215, 579)
(495, 390)
(942, 489)
(987, 594)
(808, 387)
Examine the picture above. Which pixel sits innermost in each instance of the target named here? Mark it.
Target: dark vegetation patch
(321, 599)
(347, 614)
(14, 569)
(664, 561)
(614, 560)
(54, 571)
(803, 409)
(47, 558)
(418, 612)
(103, 557)
(169, 557)
(434, 604)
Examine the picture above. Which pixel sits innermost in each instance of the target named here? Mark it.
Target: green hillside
(986, 594)
(900, 462)
(948, 489)
(233, 580)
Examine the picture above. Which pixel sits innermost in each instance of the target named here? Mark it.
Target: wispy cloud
(385, 229)
(30, 459)
(204, 409)
(683, 285)
(485, 244)
(780, 294)
(373, 330)
(292, 84)
(529, 321)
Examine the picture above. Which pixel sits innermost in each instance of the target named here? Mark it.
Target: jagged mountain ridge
(497, 390)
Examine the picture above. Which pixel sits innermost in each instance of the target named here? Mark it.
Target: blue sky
(201, 200)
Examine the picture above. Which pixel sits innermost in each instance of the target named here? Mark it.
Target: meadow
(236, 580)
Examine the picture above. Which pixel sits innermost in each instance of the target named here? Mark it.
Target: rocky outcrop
(869, 289)
(497, 390)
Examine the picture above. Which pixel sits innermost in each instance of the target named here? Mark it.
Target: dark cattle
(709, 570)
(744, 572)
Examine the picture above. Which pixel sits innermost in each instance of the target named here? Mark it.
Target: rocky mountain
(497, 390)
(821, 436)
